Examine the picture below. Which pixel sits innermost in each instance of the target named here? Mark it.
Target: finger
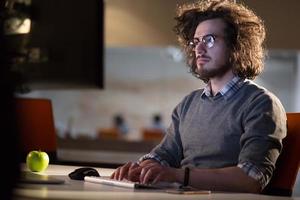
(158, 178)
(134, 172)
(124, 171)
(146, 168)
(143, 172)
(133, 166)
(150, 175)
(116, 173)
(112, 176)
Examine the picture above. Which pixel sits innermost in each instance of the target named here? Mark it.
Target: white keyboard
(129, 184)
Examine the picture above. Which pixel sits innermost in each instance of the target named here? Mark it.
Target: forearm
(223, 179)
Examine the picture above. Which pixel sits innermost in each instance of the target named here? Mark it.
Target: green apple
(37, 161)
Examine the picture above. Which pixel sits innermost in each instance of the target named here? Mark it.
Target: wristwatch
(186, 176)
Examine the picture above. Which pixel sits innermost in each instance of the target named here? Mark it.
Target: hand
(155, 172)
(130, 171)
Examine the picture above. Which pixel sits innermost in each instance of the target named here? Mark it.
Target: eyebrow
(206, 34)
(201, 36)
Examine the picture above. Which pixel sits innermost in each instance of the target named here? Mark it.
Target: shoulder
(261, 99)
(256, 92)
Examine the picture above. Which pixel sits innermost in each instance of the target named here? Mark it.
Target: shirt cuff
(253, 171)
(154, 157)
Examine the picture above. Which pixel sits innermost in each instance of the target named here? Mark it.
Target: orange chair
(152, 134)
(109, 134)
(287, 166)
(36, 126)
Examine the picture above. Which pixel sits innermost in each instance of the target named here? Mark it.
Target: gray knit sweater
(215, 132)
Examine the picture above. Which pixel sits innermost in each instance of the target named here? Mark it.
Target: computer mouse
(80, 173)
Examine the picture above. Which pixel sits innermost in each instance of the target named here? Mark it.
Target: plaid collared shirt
(227, 91)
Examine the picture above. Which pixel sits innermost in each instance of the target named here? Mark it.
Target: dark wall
(69, 34)
(9, 137)
(142, 18)
(282, 21)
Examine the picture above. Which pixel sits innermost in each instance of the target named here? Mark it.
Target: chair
(152, 134)
(109, 134)
(287, 166)
(36, 126)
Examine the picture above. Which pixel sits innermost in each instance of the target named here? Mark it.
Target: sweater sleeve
(170, 148)
(264, 122)
(169, 151)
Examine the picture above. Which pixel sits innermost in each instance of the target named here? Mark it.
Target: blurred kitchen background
(113, 70)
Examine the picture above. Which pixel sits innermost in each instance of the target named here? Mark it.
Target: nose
(200, 49)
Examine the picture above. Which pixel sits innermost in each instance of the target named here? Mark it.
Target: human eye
(208, 40)
(193, 42)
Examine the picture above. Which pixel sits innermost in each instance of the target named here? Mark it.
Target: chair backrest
(36, 126)
(287, 166)
(152, 134)
(109, 133)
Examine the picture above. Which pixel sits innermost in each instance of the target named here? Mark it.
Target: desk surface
(76, 190)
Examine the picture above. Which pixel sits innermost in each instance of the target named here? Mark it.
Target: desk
(76, 190)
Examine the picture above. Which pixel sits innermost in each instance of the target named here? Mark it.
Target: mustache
(202, 56)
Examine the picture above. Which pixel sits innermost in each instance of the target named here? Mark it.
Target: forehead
(210, 26)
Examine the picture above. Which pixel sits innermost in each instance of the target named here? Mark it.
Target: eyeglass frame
(191, 43)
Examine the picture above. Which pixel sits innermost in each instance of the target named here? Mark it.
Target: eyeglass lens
(207, 40)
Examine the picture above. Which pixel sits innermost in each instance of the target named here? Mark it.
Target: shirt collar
(227, 91)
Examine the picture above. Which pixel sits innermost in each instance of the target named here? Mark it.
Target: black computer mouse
(80, 173)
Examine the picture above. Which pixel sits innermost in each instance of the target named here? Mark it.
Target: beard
(206, 73)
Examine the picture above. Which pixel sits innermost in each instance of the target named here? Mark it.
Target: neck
(217, 83)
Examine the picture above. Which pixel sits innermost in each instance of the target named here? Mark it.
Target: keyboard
(129, 184)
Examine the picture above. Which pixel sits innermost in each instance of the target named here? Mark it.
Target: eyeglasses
(207, 40)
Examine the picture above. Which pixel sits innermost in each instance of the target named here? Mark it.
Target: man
(228, 135)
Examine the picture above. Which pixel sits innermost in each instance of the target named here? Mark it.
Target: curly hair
(244, 34)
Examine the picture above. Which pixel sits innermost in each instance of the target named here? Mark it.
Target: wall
(281, 77)
(281, 19)
(139, 22)
(297, 83)
(140, 82)
(144, 22)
